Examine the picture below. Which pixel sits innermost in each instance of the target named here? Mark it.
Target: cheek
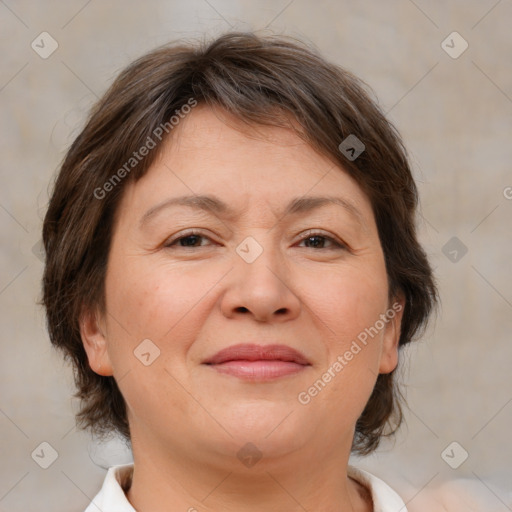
(347, 306)
(157, 301)
(350, 300)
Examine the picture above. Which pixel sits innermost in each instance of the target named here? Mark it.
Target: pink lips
(258, 362)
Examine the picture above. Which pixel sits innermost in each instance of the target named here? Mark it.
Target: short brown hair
(261, 81)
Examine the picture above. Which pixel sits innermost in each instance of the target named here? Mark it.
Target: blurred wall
(453, 106)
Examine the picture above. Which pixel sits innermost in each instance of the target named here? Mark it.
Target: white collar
(112, 498)
(384, 498)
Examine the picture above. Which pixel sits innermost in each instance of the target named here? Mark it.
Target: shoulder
(456, 495)
(459, 495)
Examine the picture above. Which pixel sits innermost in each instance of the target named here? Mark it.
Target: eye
(318, 239)
(189, 239)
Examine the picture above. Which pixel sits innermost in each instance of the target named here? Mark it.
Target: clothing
(111, 497)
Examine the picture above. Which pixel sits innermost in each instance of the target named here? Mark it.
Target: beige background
(455, 117)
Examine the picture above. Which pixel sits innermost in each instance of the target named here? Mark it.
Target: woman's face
(266, 265)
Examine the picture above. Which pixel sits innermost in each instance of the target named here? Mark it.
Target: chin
(274, 434)
(255, 451)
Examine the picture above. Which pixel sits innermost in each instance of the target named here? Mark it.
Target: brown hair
(260, 80)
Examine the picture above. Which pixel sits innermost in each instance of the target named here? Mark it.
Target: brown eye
(318, 241)
(190, 239)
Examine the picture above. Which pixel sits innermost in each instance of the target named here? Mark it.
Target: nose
(262, 289)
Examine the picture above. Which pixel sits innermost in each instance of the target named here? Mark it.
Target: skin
(188, 421)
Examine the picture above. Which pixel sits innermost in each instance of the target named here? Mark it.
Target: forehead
(214, 133)
(212, 152)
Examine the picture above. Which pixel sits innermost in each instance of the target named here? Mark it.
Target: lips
(252, 352)
(258, 363)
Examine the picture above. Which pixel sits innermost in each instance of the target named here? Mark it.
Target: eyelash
(310, 234)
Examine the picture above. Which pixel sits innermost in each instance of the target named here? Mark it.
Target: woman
(232, 268)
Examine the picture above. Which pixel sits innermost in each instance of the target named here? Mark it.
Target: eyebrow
(215, 206)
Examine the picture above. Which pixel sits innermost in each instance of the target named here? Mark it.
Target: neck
(312, 481)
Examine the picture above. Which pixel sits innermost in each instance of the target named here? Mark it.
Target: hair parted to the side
(270, 80)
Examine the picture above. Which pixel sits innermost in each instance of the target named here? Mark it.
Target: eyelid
(183, 234)
(338, 244)
(320, 232)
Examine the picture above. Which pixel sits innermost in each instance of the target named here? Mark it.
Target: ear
(389, 353)
(92, 331)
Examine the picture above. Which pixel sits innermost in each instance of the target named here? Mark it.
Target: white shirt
(111, 497)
